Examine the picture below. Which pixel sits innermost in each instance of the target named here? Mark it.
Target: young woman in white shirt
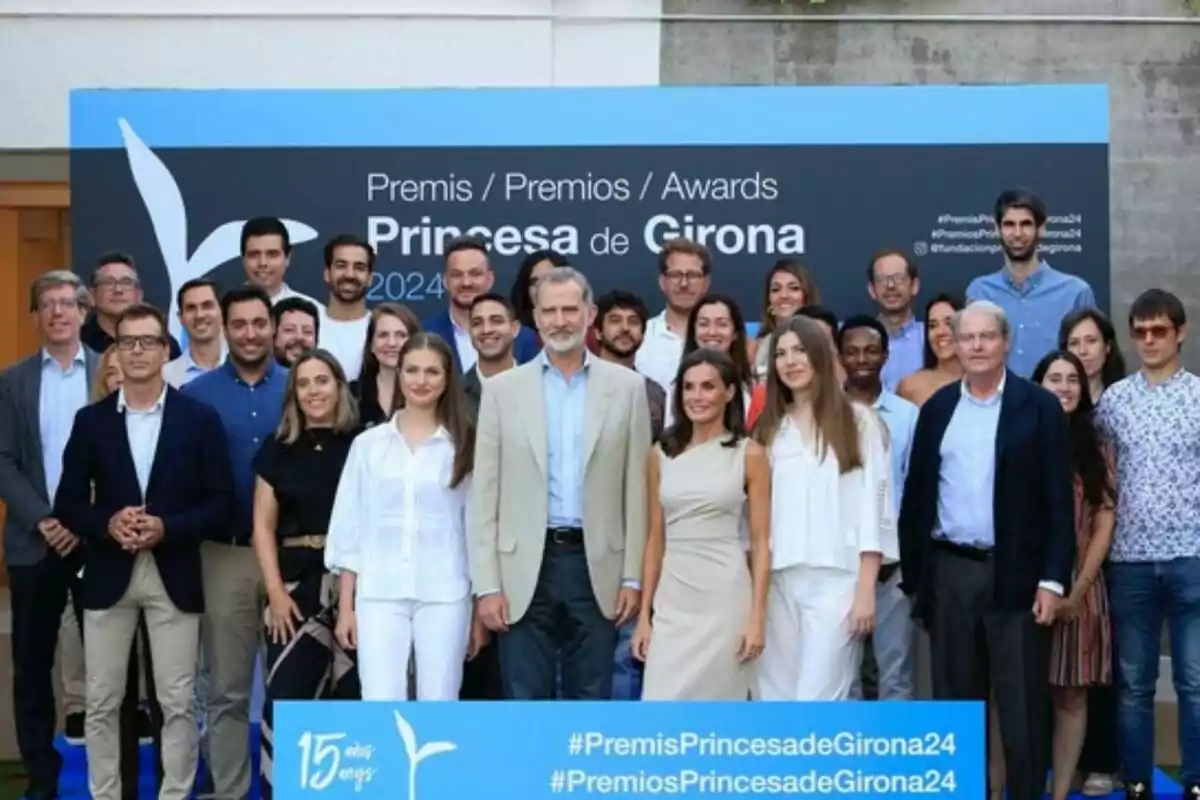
(832, 522)
(397, 536)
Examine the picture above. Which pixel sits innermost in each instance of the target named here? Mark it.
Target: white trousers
(392, 631)
(811, 652)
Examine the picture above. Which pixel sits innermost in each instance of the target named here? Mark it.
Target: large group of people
(554, 495)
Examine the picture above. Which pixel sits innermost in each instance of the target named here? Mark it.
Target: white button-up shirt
(821, 517)
(396, 522)
(659, 356)
(142, 427)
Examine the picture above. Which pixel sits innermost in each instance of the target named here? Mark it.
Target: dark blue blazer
(1034, 508)
(525, 346)
(190, 488)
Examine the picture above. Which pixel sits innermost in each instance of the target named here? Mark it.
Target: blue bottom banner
(533, 750)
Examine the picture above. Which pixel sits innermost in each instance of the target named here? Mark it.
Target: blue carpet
(73, 783)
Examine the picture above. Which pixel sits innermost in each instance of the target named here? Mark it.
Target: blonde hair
(99, 380)
(293, 423)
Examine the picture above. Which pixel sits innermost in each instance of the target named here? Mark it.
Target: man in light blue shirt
(560, 466)
(893, 281)
(1035, 297)
(863, 347)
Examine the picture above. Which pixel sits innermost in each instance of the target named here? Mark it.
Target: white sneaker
(1097, 785)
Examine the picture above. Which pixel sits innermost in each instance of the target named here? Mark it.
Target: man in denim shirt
(247, 392)
(1035, 297)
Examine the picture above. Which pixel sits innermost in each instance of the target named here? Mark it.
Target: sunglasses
(1156, 332)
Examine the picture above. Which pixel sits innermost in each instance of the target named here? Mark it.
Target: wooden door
(35, 236)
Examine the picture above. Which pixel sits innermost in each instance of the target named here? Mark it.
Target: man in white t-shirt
(349, 262)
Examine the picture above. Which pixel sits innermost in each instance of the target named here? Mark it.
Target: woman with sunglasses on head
(390, 326)
(703, 610)
(397, 535)
(832, 519)
(297, 473)
(1081, 649)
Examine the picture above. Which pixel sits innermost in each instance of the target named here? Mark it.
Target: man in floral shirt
(1152, 420)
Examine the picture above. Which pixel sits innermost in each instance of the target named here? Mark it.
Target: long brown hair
(293, 422)
(833, 413)
(370, 368)
(812, 295)
(739, 349)
(451, 406)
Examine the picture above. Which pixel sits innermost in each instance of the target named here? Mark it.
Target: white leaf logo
(417, 755)
(168, 216)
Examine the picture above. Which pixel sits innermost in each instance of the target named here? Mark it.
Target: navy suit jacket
(190, 489)
(1034, 506)
(525, 346)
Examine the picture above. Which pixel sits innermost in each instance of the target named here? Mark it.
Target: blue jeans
(627, 670)
(1141, 596)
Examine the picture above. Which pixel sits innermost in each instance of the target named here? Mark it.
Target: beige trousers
(230, 635)
(108, 636)
(74, 673)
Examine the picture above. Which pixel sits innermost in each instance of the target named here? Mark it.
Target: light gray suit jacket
(22, 475)
(507, 517)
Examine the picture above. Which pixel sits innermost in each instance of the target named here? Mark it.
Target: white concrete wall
(48, 47)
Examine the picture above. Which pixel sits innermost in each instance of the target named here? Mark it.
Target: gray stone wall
(1152, 70)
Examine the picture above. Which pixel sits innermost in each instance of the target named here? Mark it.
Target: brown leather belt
(311, 542)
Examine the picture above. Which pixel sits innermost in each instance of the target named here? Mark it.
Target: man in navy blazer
(467, 275)
(987, 539)
(146, 477)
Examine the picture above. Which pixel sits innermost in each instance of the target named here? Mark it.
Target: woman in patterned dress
(1081, 649)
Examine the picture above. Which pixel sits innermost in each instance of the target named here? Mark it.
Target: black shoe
(1137, 790)
(145, 727)
(1191, 791)
(73, 729)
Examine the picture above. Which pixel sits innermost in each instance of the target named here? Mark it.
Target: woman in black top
(390, 327)
(298, 471)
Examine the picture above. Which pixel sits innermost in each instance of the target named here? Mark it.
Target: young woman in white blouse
(397, 536)
(832, 522)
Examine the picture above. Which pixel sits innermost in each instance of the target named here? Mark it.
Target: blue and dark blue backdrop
(824, 174)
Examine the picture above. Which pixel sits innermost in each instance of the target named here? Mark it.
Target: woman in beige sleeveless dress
(702, 621)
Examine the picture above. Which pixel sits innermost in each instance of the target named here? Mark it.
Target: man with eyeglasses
(39, 398)
(115, 287)
(1152, 420)
(893, 282)
(684, 275)
(145, 478)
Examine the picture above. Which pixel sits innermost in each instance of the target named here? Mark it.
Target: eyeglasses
(1156, 332)
(108, 284)
(684, 277)
(892, 280)
(147, 342)
(62, 304)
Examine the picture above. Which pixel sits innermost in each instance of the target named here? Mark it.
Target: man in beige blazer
(558, 507)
